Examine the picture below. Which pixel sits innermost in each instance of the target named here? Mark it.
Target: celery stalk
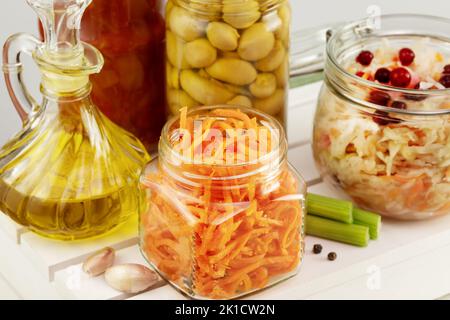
(329, 208)
(368, 219)
(348, 233)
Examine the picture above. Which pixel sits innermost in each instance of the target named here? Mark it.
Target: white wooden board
(411, 259)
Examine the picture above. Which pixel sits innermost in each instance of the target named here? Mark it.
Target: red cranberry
(445, 80)
(406, 56)
(447, 69)
(415, 97)
(400, 77)
(365, 58)
(383, 75)
(399, 105)
(380, 98)
(360, 74)
(381, 118)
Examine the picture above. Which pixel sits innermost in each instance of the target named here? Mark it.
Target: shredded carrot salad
(232, 229)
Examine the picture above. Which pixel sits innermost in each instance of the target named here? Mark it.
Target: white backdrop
(15, 16)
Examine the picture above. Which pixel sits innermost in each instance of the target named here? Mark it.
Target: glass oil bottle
(70, 173)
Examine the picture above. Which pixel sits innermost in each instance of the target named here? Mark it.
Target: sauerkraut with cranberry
(390, 157)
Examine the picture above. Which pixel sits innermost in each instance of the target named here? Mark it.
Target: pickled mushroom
(178, 99)
(175, 51)
(200, 53)
(273, 104)
(222, 36)
(241, 101)
(240, 14)
(234, 71)
(185, 25)
(264, 85)
(256, 42)
(273, 60)
(204, 90)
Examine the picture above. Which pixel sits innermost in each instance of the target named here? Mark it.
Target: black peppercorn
(332, 256)
(317, 249)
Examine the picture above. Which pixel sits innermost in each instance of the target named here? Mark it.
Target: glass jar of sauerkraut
(228, 52)
(224, 214)
(382, 127)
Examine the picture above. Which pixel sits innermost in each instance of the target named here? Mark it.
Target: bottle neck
(77, 94)
(61, 21)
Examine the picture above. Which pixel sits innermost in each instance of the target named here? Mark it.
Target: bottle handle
(13, 49)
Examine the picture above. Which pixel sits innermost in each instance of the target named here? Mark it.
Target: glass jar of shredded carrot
(224, 214)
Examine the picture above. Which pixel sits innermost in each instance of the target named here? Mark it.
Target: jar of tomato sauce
(130, 89)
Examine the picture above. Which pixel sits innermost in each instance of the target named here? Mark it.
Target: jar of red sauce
(130, 89)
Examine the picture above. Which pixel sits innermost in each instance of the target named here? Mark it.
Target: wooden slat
(305, 95)
(12, 229)
(49, 256)
(21, 273)
(73, 283)
(300, 125)
(421, 277)
(302, 159)
(326, 190)
(301, 114)
(163, 293)
(7, 292)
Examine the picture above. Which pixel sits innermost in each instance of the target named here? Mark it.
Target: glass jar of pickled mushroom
(382, 128)
(228, 52)
(130, 89)
(224, 214)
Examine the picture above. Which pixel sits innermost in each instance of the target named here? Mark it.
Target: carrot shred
(244, 236)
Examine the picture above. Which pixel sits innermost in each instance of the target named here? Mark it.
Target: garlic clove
(130, 278)
(97, 263)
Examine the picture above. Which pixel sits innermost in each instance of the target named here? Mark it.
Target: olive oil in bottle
(70, 173)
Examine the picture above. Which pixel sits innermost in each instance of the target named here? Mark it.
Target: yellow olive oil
(67, 180)
(69, 219)
(70, 173)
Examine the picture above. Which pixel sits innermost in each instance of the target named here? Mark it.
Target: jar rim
(276, 155)
(269, 4)
(365, 24)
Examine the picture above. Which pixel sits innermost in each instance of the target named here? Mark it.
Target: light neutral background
(15, 16)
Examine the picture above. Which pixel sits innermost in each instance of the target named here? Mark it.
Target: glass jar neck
(227, 178)
(238, 8)
(80, 96)
(343, 44)
(251, 156)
